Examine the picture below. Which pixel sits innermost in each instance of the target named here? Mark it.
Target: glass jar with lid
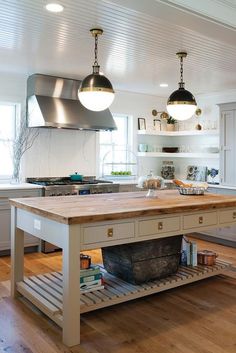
(152, 183)
(168, 170)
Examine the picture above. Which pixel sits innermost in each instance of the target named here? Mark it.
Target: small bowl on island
(190, 188)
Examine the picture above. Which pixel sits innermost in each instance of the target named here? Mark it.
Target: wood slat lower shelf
(45, 291)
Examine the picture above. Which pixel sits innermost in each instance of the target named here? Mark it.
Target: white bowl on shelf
(210, 149)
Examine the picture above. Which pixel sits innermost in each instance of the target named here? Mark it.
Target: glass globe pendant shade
(96, 92)
(181, 104)
(181, 111)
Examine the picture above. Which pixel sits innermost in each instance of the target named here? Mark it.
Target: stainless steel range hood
(53, 102)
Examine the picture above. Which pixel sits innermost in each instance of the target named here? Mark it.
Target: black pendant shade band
(96, 82)
(181, 96)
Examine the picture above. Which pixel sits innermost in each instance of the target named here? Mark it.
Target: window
(116, 147)
(7, 136)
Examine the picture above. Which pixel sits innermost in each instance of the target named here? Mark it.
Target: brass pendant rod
(95, 33)
(181, 55)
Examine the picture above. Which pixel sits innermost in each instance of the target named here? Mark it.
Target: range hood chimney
(52, 102)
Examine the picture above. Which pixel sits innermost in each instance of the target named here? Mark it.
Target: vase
(170, 127)
(16, 172)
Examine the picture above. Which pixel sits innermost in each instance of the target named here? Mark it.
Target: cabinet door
(222, 191)
(225, 233)
(228, 147)
(213, 190)
(125, 188)
(226, 191)
(5, 217)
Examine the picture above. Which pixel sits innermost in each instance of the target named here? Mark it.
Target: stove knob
(67, 193)
(74, 193)
(52, 195)
(60, 194)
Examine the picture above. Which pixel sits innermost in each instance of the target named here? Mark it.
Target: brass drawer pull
(160, 225)
(200, 220)
(234, 215)
(110, 232)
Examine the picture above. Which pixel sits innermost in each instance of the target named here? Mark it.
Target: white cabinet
(5, 217)
(128, 187)
(224, 233)
(228, 144)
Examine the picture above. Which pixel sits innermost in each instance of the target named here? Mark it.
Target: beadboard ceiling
(137, 50)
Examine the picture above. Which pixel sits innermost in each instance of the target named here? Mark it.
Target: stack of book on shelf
(91, 279)
(189, 253)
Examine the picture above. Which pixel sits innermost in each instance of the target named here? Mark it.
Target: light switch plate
(37, 224)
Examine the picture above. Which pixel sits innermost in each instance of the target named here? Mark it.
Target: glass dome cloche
(152, 183)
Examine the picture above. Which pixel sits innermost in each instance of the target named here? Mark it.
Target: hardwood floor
(197, 318)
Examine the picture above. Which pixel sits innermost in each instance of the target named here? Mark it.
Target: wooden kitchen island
(77, 223)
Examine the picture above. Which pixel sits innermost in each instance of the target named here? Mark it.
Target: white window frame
(129, 137)
(17, 107)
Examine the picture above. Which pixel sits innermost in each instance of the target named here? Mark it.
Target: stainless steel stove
(65, 186)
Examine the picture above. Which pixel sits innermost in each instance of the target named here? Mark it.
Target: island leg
(17, 253)
(71, 286)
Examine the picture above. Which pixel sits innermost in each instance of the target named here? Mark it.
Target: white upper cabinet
(228, 144)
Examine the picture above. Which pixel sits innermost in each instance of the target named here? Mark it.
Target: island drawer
(158, 226)
(199, 220)
(228, 216)
(102, 233)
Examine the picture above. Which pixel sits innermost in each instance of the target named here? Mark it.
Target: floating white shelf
(179, 133)
(179, 155)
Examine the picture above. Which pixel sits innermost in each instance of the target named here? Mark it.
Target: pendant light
(181, 104)
(96, 92)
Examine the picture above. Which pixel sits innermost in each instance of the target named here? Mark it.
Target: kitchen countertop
(217, 186)
(116, 206)
(134, 182)
(21, 186)
(25, 186)
(125, 182)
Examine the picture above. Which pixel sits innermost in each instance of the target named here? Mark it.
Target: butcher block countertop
(106, 207)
